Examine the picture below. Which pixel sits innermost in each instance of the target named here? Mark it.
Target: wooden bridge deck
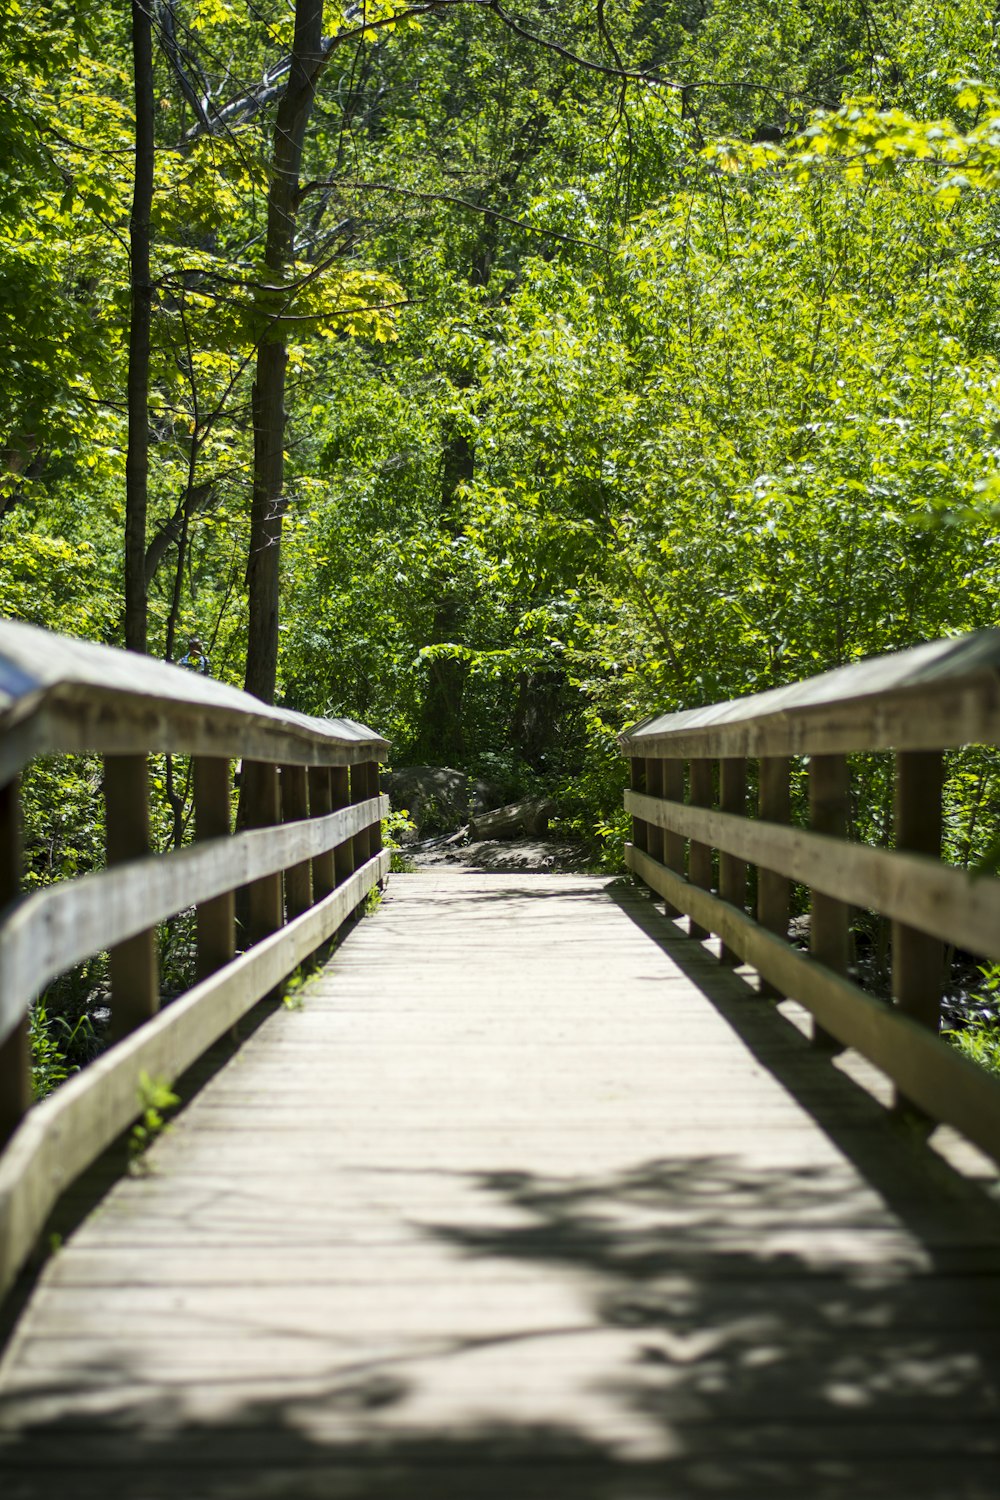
(529, 1198)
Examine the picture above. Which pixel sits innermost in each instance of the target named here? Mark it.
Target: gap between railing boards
(305, 860)
(688, 800)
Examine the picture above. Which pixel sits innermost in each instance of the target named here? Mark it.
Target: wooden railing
(689, 798)
(306, 859)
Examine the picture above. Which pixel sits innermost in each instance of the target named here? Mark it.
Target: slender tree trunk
(267, 508)
(137, 459)
(442, 736)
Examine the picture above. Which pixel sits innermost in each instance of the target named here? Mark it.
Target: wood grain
(937, 898)
(927, 1071)
(62, 695)
(933, 697)
(530, 1197)
(67, 1131)
(50, 930)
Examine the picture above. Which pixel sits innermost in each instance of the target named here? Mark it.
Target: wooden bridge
(534, 1189)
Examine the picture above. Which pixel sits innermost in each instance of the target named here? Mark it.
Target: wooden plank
(265, 894)
(61, 1136)
(774, 889)
(702, 794)
(935, 1076)
(654, 788)
(370, 784)
(213, 820)
(918, 967)
(359, 793)
(830, 918)
(63, 695)
(52, 929)
(294, 809)
(637, 771)
(936, 898)
(940, 695)
(340, 791)
(732, 870)
(15, 1047)
(324, 877)
(135, 984)
(520, 1265)
(674, 844)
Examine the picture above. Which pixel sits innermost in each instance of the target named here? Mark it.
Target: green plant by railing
(979, 1038)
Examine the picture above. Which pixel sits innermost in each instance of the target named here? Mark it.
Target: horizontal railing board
(913, 888)
(59, 695)
(64, 1134)
(44, 934)
(926, 1070)
(937, 696)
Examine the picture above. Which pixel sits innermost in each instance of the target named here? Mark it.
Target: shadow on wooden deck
(754, 1372)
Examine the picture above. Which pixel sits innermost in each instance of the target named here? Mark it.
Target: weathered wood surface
(928, 1071)
(942, 694)
(529, 1198)
(952, 904)
(58, 1139)
(52, 929)
(58, 694)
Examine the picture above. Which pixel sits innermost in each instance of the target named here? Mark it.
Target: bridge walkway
(529, 1197)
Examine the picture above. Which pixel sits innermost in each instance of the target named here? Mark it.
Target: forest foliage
(639, 355)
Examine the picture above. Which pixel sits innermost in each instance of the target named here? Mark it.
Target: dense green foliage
(641, 355)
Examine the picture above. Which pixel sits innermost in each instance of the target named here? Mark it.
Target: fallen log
(530, 816)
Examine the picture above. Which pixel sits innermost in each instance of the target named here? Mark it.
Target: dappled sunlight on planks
(539, 1202)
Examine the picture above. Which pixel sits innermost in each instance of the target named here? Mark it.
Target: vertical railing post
(774, 891)
(829, 927)
(264, 898)
(340, 793)
(359, 793)
(640, 830)
(674, 844)
(294, 809)
(15, 1050)
(702, 794)
(917, 958)
(654, 788)
(216, 942)
(732, 870)
(375, 829)
(135, 988)
(320, 806)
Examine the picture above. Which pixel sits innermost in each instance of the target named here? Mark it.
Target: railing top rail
(933, 697)
(59, 695)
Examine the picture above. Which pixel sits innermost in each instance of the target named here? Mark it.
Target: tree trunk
(267, 507)
(137, 458)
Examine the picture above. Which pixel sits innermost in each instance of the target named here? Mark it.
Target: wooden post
(359, 793)
(732, 871)
(674, 844)
(295, 808)
(213, 820)
(702, 794)
(15, 1050)
(829, 931)
(340, 796)
(640, 829)
(917, 959)
(375, 829)
(135, 987)
(654, 788)
(774, 891)
(262, 811)
(321, 805)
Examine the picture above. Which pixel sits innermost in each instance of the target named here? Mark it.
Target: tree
(141, 304)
